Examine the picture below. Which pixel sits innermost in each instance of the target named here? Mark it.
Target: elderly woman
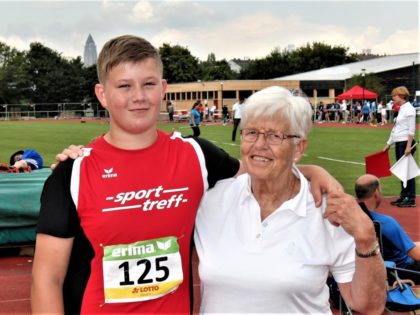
(264, 246)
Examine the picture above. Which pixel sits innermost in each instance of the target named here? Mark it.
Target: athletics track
(15, 270)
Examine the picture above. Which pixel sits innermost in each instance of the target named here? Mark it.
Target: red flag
(378, 164)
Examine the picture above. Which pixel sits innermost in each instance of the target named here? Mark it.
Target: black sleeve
(219, 164)
(58, 216)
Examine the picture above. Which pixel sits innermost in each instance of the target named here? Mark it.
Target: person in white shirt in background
(402, 135)
(344, 111)
(236, 113)
(382, 111)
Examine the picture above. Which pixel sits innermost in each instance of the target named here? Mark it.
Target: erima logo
(108, 173)
(135, 250)
(164, 245)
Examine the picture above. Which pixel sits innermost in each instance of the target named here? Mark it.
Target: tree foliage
(12, 73)
(42, 75)
(178, 64)
(212, 70)
(56, 79)
(306, 58)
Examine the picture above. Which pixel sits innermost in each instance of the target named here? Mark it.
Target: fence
(51, 111)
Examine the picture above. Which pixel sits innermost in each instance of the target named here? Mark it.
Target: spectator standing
(366, 112)
(321, 111)
(337, 112)
(402, 135)
(389, 111)
(207, 112)
(236, 113)
(195, 119)
(378, 112)
(171, 111)
(344, 111)
(383, 113)
(356, 112)
(212, 111)
(359, 111)
(397, 245)
(327, 110)
(372, 112)
(225, 114)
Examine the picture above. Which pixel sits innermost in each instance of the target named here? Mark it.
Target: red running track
(15, 270)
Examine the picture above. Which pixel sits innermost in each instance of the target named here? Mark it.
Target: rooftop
(346, 71)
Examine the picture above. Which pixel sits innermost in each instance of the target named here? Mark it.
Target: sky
(229, 29)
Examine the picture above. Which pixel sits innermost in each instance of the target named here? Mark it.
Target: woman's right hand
(73, 152)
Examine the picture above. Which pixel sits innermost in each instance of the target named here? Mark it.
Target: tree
(90, 80)
(319, 55)
(178, 64)
(276, 64)
(56, 79)
(306, 58)
(13, 75)
(212, 69)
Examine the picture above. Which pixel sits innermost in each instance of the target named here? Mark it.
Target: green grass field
(340, 150)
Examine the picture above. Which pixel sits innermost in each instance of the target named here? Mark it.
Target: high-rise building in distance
(90, 56)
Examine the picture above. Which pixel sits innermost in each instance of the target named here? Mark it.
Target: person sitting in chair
(397, 245)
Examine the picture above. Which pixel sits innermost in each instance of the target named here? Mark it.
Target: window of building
(323, 93)
(309, 92)
(338, 91)
(229, 94)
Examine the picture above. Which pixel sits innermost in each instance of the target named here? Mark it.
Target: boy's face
(132, 93)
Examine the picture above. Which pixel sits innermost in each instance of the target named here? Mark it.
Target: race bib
(141, 271)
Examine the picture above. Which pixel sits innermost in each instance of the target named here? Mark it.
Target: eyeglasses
(271, 137)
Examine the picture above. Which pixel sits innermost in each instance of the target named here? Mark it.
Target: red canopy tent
(357, 93)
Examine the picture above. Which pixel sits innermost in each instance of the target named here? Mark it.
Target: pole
(221, 93)
(363, 87)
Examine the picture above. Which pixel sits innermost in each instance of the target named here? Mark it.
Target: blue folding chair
(401, 298)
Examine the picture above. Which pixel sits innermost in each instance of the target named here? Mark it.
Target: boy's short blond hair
(125, 48)
(401, 91)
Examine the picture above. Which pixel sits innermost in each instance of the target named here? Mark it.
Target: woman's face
(264, 159)
(398, 99)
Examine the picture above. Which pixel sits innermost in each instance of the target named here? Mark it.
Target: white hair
(277, 103)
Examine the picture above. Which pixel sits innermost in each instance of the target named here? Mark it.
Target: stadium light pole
(363, 86)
